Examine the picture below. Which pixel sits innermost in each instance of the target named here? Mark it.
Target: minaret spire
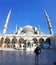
(16, 27)
(6, 23)
(38, 29)
(49, 23)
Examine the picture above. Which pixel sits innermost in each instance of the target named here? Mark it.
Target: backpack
(37, 50)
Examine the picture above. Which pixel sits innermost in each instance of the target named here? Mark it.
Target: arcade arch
(48, 42)
(21, 40)
(7, 40)
(35, 40)
(1, 41)
(41, 41)
(14, 40)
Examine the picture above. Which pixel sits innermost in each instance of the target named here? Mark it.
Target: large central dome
(28, 28)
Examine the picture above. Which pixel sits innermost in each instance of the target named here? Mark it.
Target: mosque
(27, 37)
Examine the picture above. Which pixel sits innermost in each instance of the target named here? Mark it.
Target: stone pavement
(47, 57)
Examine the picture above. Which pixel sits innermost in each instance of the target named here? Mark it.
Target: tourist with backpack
(37, 51)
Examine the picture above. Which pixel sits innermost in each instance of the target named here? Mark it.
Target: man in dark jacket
(37, 51)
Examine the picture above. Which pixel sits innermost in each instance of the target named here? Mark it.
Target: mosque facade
(27, 36)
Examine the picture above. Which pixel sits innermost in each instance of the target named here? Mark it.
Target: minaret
(16, 28)
(6, 23)
(49, 23)
(38, 29)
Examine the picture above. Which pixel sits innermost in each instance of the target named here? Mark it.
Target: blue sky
(28, 12)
